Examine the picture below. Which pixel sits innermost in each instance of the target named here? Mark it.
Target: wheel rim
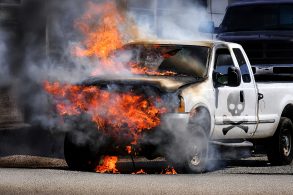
(196, 156)
(286, 143)
(198, 150)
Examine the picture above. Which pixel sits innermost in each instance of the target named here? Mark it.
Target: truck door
(235, 113)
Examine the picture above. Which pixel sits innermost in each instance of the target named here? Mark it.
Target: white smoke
(172, 20)
(175, 20)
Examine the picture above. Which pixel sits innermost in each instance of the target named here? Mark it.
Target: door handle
(260, 96)
(241, 96)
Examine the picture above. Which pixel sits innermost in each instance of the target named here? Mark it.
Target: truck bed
(276, 96)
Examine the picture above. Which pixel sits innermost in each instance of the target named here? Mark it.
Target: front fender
(200, 115)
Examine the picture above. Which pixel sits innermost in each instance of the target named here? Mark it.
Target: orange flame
(112, 112)
(140, 172)
(108, 165)
(100, 27)
(105, 29)
(128, 149)
(170, 171)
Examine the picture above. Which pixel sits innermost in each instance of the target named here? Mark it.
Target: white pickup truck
(218, 102)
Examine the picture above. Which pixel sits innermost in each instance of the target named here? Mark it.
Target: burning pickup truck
(180, 98)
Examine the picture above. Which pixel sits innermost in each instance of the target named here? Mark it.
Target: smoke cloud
(46, 49)
(174, 20)
(51, 57)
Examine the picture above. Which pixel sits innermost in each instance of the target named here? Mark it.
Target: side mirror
(207, 27)
(219, 79)
(234, 77)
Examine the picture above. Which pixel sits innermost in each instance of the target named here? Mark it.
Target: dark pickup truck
(265, 30)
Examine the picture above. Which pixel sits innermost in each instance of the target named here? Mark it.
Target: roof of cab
(206, 43)
(258, 2)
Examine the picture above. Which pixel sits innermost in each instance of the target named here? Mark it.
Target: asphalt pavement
(38, 175)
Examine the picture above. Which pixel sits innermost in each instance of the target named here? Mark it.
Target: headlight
(181, 106)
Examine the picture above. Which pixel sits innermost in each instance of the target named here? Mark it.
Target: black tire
(77, 155)
(83, 151)
(192, 154)
(280, 145)
(197, 156)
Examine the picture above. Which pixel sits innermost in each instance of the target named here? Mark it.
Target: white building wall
(217, 9)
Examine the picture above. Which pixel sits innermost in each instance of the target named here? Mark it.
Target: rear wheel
(279, 148)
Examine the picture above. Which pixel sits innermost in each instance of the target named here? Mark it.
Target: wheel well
(201, 116)
(288, 112)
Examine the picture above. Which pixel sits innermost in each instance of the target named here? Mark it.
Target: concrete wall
(10, 114)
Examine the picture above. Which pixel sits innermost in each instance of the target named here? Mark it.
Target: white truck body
(261, 117)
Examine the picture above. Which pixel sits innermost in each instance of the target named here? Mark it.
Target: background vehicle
(265, 30)
(218, 102)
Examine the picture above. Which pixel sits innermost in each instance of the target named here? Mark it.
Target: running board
(236, 145)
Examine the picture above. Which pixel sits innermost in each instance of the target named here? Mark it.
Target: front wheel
(78, 154)
(197, 151)
(83, 150)
(279, 148)
(192, 154)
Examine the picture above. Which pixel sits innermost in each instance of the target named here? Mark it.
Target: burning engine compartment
(119, 111)
(113, 120)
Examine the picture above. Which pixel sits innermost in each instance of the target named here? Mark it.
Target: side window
(243, 66)
(222, 64)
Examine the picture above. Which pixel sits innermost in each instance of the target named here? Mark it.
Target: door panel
(235, 113)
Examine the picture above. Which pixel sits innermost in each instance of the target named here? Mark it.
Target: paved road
(45, 175)
(66, 182)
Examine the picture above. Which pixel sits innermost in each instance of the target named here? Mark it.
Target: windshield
(258, 17)
(171, 59)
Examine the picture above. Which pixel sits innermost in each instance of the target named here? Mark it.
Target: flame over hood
(163, 83)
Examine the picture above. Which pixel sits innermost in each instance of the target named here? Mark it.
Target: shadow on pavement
(31, 141)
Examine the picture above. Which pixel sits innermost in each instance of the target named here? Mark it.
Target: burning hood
(164, 83)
